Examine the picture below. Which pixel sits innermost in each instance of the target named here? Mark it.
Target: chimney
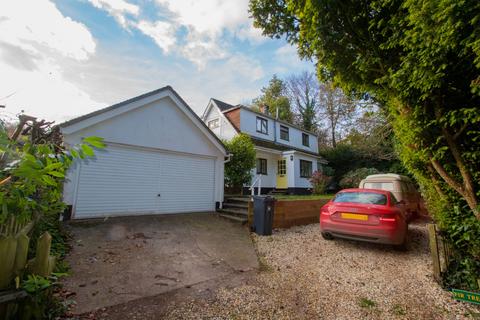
(263, 108)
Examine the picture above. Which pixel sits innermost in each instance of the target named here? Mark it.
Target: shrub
(319, 181)
(238, 169)
(353, 178)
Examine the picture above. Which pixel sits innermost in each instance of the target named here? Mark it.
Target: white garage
(160, 158)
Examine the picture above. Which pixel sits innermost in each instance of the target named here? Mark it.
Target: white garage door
(131, 181)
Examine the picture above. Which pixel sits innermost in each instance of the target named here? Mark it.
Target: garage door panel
(127, 181)
(187, 180)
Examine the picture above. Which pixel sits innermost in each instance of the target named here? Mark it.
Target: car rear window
(379, 185)
(361, 197)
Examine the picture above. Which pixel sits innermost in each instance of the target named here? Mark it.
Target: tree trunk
(334, 142)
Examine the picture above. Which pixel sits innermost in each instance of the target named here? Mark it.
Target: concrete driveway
(123, 259)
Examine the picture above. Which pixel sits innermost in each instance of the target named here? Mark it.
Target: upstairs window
(284, 134)
(262, 125)
(215, 123)
(262, 166)
(305, 169)
(305, 140)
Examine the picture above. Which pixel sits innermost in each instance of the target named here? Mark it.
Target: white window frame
(263, 128)
(214, 123)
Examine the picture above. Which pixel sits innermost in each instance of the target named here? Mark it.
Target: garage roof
(89, 119)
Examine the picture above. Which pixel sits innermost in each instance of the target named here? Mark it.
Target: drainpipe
(275, 126)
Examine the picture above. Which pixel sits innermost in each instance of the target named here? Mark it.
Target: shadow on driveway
(128, 258)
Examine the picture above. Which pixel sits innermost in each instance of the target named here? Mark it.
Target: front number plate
(354, 216)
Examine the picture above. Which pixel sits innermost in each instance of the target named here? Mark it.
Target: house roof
(223, 106)
(137, 98)
(269, 117)
(281, 147)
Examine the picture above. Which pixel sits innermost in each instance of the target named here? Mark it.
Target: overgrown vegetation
(353, 178)
(33, 165)
(320, 181)
(420, 61)
(238, 169)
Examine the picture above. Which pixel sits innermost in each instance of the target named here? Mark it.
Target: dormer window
(262, 125)
(305, 140)
(215, 123)
(284, 134)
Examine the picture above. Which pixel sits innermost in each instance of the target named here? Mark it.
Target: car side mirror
(401, 202)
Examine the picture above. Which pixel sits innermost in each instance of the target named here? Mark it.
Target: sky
(64, 58)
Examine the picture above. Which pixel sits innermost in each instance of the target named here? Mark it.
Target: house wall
(269, 180)
(159, 125)
(295, 138)
(299, 181)
(248, 124)
(225, 131)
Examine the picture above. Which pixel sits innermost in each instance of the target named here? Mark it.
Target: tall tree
(274, 97)
(303, 92)
(336, 109)
(421, 59)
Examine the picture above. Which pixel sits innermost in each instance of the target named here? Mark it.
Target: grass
(304, 197)
(398, 310)
(366, 303)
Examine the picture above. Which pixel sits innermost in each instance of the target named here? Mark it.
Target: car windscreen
(361, 197)
(379, 185)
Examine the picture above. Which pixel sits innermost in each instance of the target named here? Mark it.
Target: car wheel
(327, 236)
(401, 247)
(404, 245)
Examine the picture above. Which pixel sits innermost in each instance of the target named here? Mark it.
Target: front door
(282, 181)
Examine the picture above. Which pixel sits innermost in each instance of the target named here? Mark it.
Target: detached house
(286, 154)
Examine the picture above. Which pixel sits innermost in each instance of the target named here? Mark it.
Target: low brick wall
(290, 213)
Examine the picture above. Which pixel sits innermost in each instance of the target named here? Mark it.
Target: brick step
(237, 200)
(242, 205)
(234, 218)
(234, 212)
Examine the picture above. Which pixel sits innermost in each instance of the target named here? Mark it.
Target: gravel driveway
(306, 277)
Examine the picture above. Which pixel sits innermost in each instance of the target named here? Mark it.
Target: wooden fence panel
(8, 248)
(434, 250)
(21, 254)
(43, 264)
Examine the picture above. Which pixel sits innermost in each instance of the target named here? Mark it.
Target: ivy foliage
(420, 59)
(242, 161)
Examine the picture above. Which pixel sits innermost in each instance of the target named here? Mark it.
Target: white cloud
(161, 32)
(43, 25)
(249, 32)
(247, 67)
(200, 50)
(288, 60)
(44, 92)
(207, 22)
(119, 9)
(32, 42)
(209, 17)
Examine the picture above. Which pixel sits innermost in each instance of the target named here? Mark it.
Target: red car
(365, 214)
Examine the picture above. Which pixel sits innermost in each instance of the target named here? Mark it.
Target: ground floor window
(261, 166)
(305, 169)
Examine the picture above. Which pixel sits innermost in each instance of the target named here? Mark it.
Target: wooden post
(250, 213)
(42, 264)
(21, 254)
(8, 247)
(432, 236)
